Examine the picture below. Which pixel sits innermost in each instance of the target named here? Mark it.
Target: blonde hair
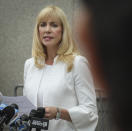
(67, 47)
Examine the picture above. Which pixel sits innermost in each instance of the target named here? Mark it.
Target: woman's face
(50, 33)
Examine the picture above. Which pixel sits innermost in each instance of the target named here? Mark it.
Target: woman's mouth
(47, 38)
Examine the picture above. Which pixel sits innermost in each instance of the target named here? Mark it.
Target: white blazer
(73, 91)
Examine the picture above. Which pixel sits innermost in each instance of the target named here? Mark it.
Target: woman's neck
(50, 60)
(51, 54)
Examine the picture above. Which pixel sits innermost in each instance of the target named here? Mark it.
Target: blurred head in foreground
(105, 38)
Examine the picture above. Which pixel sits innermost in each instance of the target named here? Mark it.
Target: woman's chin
(49, 44)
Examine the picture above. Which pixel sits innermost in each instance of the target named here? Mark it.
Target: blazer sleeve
(26, 66)
(84, 116)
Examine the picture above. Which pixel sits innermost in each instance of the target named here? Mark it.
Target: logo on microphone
(41, 123)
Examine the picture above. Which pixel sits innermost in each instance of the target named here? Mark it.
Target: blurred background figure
(104, 32)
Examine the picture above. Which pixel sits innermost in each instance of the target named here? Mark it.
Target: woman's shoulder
(29, 61)
(80, 59)
(80, 62)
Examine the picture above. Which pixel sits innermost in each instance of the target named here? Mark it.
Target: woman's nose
(48, 28)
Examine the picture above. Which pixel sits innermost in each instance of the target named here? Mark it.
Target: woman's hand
(50, 112)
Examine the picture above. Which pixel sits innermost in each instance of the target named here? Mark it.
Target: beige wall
(17, 19)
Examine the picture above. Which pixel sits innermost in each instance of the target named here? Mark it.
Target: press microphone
(6, 114)
(37, 119)
(40, 112)
(3, 106)
(39, 123)
(15, 106)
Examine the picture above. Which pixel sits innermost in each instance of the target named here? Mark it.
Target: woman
(57, 78)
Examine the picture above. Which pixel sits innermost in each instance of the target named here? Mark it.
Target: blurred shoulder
(80, 59)
(29, 62)
(81, 66)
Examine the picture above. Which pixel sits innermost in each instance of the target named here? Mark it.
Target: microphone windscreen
(40, 112)
(33, 113)
(24, 117)
(8, 112)
(14, 106)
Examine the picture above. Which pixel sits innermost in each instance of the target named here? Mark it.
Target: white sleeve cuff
(83, 119)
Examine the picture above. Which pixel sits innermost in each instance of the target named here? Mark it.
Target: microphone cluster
(34, 120)
(9, 116)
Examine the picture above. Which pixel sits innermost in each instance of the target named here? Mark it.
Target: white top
(74, 91)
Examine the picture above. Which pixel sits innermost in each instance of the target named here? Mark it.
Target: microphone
(6, 115)
(6, 111)
(15, 107)
(39, 123)
(40, 112)
(3, 106)
(36, 119)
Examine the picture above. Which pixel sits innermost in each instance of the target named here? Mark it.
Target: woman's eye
(54, 25)
(43, 24)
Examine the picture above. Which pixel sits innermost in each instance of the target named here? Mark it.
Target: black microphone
(6, 114)
(40, 112)
(2, 106)
(37, 119)
(15, 107)
(39, 123)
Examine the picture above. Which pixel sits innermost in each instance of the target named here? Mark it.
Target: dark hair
(113, 27)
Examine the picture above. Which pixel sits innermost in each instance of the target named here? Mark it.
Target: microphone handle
(30, 128)
(38, 129)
